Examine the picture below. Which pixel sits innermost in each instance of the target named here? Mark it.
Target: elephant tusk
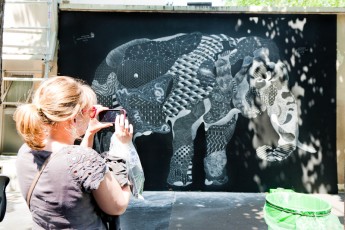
(305, 147)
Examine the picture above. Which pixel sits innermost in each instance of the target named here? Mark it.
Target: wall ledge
(66, 6)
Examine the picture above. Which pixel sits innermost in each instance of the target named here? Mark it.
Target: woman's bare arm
(110, 197)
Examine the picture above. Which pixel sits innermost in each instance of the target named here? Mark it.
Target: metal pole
(47, 58)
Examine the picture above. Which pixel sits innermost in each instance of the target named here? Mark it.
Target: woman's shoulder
(78, 149)
(25, 153)
(85, 165)
(80, 154)
(24, 150)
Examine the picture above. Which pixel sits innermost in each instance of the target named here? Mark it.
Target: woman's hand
(121, 141)
(94, 125)
(123, 130)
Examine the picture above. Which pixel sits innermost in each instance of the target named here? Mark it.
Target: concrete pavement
(169, 210)
(179, 211)
(17, 215)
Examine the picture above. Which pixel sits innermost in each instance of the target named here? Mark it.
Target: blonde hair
(57, 99)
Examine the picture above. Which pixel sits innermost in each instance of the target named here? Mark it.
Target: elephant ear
(141, 61)
(245, 94)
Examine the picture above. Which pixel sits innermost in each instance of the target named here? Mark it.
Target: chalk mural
(187, 79)
(197, 82)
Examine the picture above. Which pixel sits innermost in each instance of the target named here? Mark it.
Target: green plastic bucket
(291, 210)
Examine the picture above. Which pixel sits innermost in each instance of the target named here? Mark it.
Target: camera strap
(34, 182)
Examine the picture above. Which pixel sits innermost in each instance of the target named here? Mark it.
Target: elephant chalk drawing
(192, 79)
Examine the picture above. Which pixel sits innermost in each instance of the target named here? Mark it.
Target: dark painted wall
(307, 52)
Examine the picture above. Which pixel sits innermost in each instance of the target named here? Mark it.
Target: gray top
(62, 197)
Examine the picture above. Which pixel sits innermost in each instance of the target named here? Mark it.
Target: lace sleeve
(86, 166)
(118, 167)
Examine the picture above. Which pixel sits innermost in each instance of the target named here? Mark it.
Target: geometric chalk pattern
(189, 80)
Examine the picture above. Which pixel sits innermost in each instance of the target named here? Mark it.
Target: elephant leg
(215, 170)
(181, 164)
(217, 138)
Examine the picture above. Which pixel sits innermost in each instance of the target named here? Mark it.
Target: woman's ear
(72, 122)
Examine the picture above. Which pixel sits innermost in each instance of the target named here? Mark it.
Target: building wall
(36, 64)
(307, 46)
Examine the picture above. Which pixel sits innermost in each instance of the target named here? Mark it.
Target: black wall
(85, 38)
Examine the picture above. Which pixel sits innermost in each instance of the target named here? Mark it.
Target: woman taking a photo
(64, 184)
